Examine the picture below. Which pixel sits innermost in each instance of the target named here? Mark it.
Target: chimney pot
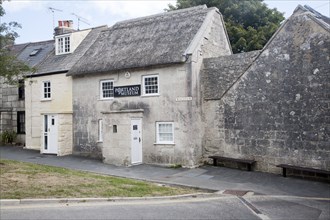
(64, 27)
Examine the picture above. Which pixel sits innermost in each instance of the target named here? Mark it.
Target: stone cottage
(12, 97)
(48, 99)
(136, 91)
(273, 105)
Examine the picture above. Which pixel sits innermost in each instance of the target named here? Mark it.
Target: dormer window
(63, 44)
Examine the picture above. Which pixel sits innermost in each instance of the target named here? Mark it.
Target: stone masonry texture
(278, 111)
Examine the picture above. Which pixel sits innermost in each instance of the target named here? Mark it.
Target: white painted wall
(60, 103)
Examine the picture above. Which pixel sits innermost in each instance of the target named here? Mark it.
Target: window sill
(169, 144)
(45, 100)
(106, 99)
(151, 95)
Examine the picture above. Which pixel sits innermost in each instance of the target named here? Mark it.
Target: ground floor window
(100, 131)
(165, 132)
(20, 122)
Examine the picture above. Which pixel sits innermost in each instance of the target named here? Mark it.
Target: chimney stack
(64, 27)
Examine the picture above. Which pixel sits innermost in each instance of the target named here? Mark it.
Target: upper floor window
(106, 89)
(63, 45)
(21, 90)
(46, 90)
(150, 85)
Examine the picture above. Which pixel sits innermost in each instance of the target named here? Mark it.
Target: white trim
(143, 85)
(101, 91)
(100, 130)
(57, 38)
(157, 133)
(43, 91)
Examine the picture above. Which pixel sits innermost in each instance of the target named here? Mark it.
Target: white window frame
(62, 46)
(101, 89)
(144, 85)
(158, 141)
(100, 131)
(43, 92)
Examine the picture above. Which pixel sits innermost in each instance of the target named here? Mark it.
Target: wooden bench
(307, 169)
(249, 163)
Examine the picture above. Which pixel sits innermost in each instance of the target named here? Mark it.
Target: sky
(38, 21)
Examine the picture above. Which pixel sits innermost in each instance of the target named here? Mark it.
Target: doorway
(136, 141)
(50, 134)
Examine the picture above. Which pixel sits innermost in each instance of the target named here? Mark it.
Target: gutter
(46, 74)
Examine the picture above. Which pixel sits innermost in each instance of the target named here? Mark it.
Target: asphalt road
(222, 207)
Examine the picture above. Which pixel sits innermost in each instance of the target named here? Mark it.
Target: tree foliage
(249, 23)
(11, 69)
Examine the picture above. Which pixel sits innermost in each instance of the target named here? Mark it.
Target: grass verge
(19, 180)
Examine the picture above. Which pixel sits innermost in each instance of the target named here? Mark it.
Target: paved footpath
(206, 177)
(252, 195)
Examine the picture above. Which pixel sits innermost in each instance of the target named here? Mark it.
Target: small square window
(165, 132)
(150, 85)
(106, 89)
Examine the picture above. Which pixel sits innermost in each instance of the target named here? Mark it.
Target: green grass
(20, 180)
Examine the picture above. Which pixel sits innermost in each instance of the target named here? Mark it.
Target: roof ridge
(160, 14)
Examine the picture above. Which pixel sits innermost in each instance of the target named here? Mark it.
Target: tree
(11, 69)
(249, 23)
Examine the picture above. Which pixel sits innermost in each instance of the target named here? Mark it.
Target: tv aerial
(80, 19)
(53, 10)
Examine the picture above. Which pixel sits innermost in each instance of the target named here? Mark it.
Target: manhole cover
(235, 192)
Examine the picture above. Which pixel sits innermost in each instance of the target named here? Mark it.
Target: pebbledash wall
(276, 109)
(178, 102)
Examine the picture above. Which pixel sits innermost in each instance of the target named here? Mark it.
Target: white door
(50, 134)
(136, 141)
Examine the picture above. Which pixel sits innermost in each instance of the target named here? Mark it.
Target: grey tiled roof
(61, 63)
(154, 40)
(43, 47)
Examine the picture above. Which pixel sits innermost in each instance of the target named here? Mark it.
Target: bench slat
(245, 161)
(233, 159)
(313, 170)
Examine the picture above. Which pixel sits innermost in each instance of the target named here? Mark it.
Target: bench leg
(215, 162)
(284, 172)
(249, 166)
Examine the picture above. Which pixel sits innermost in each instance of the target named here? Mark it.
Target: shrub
(8, 136)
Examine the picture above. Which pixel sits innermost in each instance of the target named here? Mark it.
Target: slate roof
(62, 63)
(43, 47)
(17, 48)
(148, 41)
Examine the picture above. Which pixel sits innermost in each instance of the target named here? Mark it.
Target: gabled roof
(315, 15)
(63, 63)
(148, 41)
(34, 53)
(222, 72)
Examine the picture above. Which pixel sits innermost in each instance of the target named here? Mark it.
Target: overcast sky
(37, 19)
